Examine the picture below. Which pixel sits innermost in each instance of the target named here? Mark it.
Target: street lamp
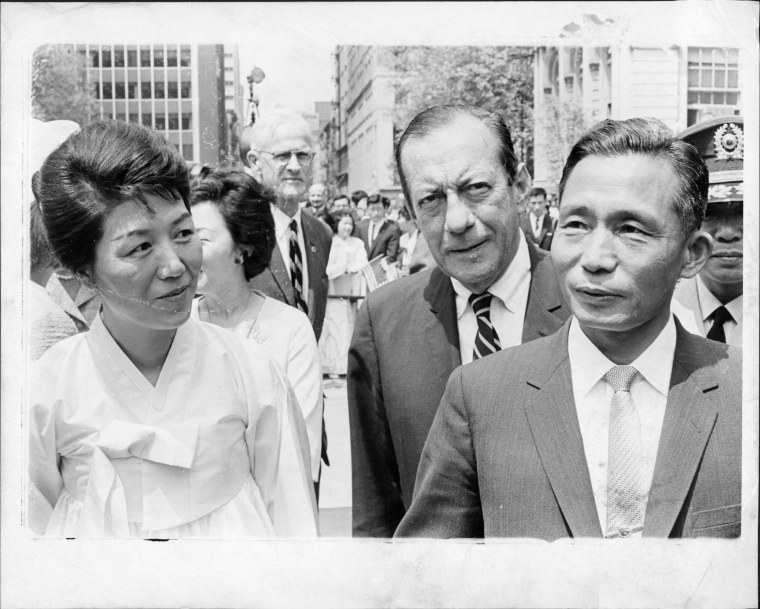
(256, 76)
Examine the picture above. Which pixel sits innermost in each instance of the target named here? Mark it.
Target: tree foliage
(562, 123)
(59, 85)
(499, 79)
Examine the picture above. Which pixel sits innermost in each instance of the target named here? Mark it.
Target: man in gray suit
(621, 424)
(461, 181)
(277, 150)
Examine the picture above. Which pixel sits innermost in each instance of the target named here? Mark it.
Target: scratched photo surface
(358, 72)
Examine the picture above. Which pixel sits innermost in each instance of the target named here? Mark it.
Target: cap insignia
(729, 142)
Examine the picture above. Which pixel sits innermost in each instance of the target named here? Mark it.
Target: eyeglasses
(283, 158)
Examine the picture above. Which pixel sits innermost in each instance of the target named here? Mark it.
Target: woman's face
(219, 250)
(146, 265)
(345, 226)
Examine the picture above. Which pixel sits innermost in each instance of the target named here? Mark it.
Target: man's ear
(522, 182)
(254, 162)
(696, 252)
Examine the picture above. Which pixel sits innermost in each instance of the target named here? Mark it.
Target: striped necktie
(625, 501)
(486, 340)
(296, 268)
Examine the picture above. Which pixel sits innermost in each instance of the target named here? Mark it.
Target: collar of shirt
(588, 364)
(708, 303)
(282, 221)
(506, 287)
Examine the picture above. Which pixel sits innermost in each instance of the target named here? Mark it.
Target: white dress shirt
(707, 305)
(407, 243)
(282, 232)
(536, 223)
(593, 395)
(508, 306)
(373, 229)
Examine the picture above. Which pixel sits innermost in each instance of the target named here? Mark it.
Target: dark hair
(440, 116)
(339, 197)
(358, 195)
(40, 253)
(649, 137)
(537, 191)
(245, 207)
(336, 216)
(379, 199)
(101, 166)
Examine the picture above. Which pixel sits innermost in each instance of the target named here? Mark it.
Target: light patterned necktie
(625, 505)
(486, 339)
(296, 268)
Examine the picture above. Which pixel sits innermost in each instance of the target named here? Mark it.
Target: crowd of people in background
(496, 339)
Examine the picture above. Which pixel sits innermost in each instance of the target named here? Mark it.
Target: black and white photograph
(406, 304)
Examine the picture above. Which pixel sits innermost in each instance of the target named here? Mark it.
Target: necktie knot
(294, 226)
(621, 377)
(481, 303)
(721, 315)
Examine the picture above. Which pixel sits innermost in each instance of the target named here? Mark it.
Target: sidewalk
(335, 487)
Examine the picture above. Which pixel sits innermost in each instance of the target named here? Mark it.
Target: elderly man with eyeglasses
(277, 150)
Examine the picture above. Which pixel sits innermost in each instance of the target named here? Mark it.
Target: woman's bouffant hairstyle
(245, 207)
(103, 165)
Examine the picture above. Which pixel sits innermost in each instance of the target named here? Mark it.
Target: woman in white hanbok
(152, 424)
(232, 215)
(347, 257)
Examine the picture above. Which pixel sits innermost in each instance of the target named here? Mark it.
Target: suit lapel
(311, 254)
(441, 329)
(688, 423)
(373, 252)
(281, 275)
(545, 311)
(554, 425)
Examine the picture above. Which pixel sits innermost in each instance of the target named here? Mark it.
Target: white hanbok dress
(216, 449)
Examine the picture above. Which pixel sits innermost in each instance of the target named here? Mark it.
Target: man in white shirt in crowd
(621, 424)
(537, 224)
(715, 295)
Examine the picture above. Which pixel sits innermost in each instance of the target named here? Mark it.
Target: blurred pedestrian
(152, 424)
(537, 223)
(380, 235)
(232, 214)
(347, 257)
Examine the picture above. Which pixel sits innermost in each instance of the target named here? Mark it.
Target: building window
(96, 90)
(160, 123)
(171, 57)
(159, 92)
(133, 118)
(120, 91)
(148, 120)
(187, 151)
(105, 56)
(713, 83)
(173, 89)
(132, 90)
(184, 56)
(118, 58)
(132, 58)
(186, 118)
(145, 90)
(94, 59)
(173, 121)
(158, 58)
(107, 90)
(185, 89)
(145, 58)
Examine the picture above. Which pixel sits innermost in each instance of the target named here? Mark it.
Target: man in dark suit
(621, 424)
(461, 181)
(537, 224)
(279, 154)
(381, 236)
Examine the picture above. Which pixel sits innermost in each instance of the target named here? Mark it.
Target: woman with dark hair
(347, 257)
(232, 214)
(151, 424)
